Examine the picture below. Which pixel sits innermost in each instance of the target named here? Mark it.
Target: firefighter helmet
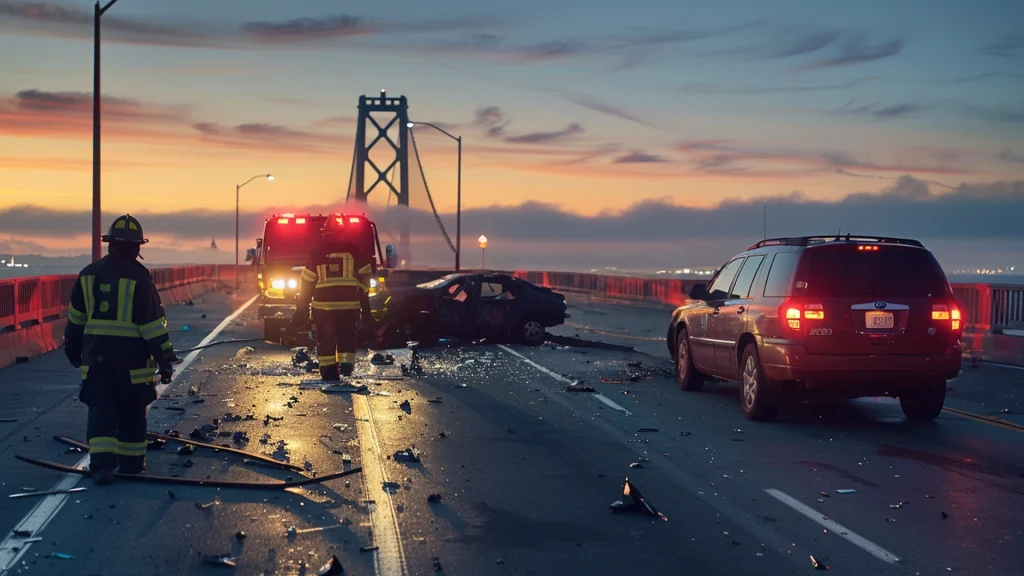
(125, 229)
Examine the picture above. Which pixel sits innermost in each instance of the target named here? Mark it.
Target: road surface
(525, 470)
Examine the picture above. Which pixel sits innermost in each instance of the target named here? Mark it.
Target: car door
(730, 322)
(703, 337)
(455, 307)
(500, 300)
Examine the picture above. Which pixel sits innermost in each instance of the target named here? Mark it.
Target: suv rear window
(896, 271)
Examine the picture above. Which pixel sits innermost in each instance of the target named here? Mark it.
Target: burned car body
(462, 305)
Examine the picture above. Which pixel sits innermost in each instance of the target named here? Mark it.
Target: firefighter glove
(300, 319)
(166, 371)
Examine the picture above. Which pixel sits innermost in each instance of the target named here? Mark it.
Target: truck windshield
(289, 242)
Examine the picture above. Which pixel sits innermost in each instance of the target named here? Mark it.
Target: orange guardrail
(40, 298)
(986, 306)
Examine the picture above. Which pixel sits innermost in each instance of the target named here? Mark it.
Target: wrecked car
(464, 305)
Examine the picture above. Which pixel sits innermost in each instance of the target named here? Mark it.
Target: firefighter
(337, 281)
(117, 334)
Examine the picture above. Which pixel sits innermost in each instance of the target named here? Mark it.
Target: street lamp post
(458, 205)
(483, 251)
(97, 225)
(238, 188)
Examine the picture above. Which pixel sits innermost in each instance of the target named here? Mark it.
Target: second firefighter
(336, 280)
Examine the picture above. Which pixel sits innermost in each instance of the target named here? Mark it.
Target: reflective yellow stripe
(368, 269)
(131, 448)
(308, 275)
(154, 329)
(347, 357)
(339, 282)
(142, 375)
(103, 445)
(336, 305)
(85, 372)
(111, 328)
(125, 299)
(327, 360)
(75, 317)
(167, 345)
(86, 282)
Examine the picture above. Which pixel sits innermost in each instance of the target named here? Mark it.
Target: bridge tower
(390, 111)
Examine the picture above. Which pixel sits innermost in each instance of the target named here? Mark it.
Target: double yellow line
(987, 419)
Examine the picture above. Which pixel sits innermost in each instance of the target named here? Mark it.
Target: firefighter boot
(103, 477)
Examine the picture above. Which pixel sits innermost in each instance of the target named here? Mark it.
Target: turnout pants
(337, 335)
(116, 426)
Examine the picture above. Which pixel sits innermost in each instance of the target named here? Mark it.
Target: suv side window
(719, 289)
(780, 274)
(745, 280)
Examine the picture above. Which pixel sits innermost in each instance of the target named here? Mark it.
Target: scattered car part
(48, 492)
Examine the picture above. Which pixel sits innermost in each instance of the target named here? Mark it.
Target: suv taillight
(793, 311)
(948, 314)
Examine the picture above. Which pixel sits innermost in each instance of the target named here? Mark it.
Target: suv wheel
(924, 403)
(689, 378)
(760, 397)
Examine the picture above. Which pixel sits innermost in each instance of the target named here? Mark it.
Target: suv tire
(689, 378)
(760, 397)
(924, 403)
(529, 331)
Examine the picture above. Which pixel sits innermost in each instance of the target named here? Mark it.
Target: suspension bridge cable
(351, 174)
(412, 136)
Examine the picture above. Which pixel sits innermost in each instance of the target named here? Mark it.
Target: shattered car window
(435, 283)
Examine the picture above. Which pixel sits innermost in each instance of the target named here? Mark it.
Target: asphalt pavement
(515, 475)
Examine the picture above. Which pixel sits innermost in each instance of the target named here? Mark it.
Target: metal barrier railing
(986, 306)
(40, 298)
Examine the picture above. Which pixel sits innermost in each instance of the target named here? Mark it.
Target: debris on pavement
(219, 560)
(33, 492)
(647, 430)
(240, 535)
(636, 465)
(406, 406)
(240, 437)
(341, 427)
(633, 501)
(368, 548)
(944, 515)
(818, 565)
(332, 568)
(186, 450)
(206, 506)
(437, 565)
(579, 388)
(436, 400)
(845, 491)
(407, 455)
(382, 359)
(434, 498)
(686, 433)
(824, 494)
(62, 556)
(897, 505)
(156, 444)
(22, 533)
(345, 388)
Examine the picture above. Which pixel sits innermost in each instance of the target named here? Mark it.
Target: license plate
(875, 320)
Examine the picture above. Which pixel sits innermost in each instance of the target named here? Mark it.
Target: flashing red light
(864, 248)
(353, 220)
(282, 220)
(300, 220)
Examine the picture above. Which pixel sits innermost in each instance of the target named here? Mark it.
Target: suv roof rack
(811, 240)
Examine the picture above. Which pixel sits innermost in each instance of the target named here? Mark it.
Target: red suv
(856, 316)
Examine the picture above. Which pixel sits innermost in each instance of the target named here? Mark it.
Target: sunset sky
(603, 117)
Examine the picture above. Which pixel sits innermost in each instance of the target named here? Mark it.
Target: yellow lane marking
(987, 419)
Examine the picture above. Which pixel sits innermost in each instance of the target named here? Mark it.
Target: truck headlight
(373, 282)
(293, 283)
(277, 284)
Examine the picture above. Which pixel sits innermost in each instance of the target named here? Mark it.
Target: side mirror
(699, 292)
(391, 255)
(250, 254)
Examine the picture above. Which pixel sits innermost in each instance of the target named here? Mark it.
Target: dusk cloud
(494, 123)
(1008, 46)
(880, 112)
(1009, 156)
(907, 208)
(857, 50)
(638, 157)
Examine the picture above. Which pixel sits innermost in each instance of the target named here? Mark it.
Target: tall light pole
(238, 188)
(458, 205)
(97, 225)
(483, 251)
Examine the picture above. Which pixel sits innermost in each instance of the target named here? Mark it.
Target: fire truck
(280, 256)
